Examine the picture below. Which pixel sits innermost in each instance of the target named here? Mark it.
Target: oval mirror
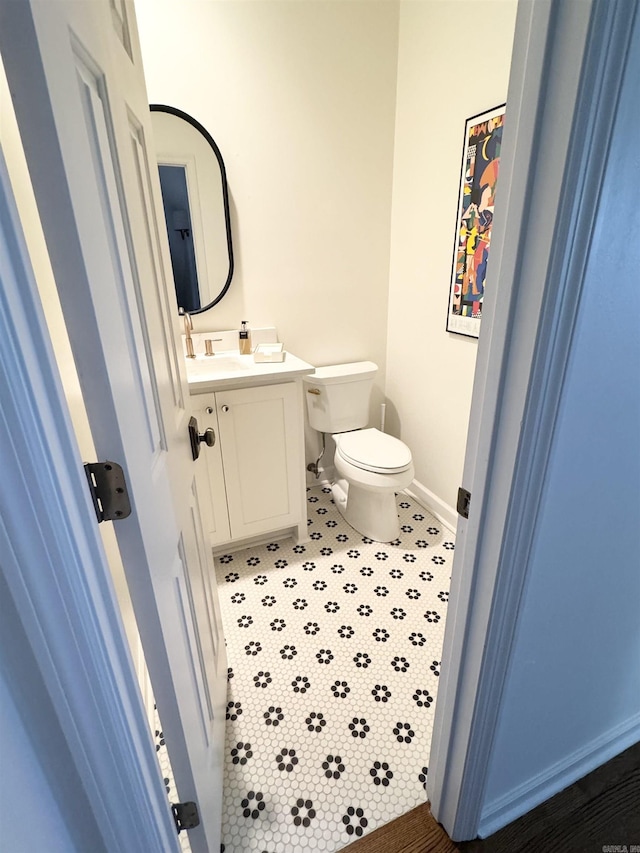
(196, 208)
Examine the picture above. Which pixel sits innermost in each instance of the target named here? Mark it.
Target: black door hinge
(108, 490)
(185, 815)
(464, 501)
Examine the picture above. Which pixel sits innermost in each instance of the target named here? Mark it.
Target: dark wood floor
(599, 811)
(415, 832)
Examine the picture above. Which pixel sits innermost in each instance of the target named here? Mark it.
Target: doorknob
(208, 436)
(196, 437)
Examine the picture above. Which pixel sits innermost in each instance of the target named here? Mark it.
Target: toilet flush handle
(315, 391)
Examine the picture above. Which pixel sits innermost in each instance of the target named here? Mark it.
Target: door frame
(566, 74)
(54, 564)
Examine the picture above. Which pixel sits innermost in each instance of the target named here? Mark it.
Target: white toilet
(371, 465)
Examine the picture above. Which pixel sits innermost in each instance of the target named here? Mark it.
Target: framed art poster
(478, 180)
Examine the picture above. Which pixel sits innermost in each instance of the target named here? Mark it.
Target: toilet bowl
(371, 465)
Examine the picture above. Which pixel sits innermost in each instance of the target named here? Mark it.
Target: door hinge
(108, 490)
(185, 815)
(464, 501)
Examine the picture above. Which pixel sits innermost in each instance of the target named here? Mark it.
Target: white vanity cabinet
(252, 481)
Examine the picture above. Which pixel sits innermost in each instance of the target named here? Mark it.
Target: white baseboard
(558, 777)
(252, 541)
(442, 511)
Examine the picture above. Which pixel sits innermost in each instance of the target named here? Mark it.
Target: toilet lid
(375, 451)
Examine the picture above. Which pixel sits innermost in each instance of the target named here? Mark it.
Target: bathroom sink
(230, 369)
(223, 363)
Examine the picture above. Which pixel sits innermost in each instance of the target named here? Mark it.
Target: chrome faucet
(188, 327)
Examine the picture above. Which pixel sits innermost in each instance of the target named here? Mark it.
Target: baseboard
(426, 498)
(558, 777)
(252, 541)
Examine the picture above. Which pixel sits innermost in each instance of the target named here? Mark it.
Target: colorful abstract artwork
(480, 166)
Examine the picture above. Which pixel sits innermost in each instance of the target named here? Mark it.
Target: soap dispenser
(245, 339)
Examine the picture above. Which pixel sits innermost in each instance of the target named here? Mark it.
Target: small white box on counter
(269, 353)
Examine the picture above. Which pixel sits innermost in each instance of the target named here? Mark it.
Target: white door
(75, 73)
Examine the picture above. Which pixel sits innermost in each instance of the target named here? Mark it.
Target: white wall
(454, 60)
(300, 98)
(572, 695)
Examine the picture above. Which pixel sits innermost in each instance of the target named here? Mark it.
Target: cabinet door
(261, 436)
(210, 474)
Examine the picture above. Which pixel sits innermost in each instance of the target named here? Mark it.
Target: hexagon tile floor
(334, 655)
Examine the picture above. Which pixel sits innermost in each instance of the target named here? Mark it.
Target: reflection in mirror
(196, 206)
(175, 200)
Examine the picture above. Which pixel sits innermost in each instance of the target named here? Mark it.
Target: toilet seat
(372, 450)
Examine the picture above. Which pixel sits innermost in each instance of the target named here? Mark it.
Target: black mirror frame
(163, 108)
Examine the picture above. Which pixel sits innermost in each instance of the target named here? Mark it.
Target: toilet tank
(338, 396)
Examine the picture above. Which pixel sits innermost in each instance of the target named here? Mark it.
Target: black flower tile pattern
(335, 648)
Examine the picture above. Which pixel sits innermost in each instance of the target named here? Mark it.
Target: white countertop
(229, 369)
